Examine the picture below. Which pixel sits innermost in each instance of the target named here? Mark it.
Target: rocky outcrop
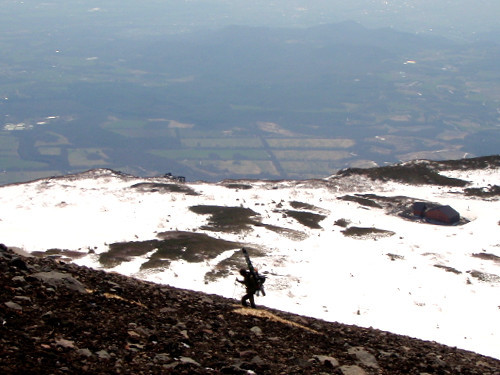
(58, 318)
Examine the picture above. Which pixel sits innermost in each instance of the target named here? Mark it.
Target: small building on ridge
(441, 214)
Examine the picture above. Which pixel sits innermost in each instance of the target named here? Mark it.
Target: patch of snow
(418, 282)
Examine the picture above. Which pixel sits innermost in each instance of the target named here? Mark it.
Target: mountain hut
(419, 209)
(443, 214)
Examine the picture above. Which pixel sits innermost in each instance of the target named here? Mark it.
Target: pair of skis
(259, 279)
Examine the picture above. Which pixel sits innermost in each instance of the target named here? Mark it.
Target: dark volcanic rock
(119, 325)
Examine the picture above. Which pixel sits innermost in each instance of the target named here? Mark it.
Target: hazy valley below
(239, 101)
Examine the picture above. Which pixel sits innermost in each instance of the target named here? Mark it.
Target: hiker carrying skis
(251, 286)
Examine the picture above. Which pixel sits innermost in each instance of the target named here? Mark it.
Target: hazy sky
(456, 18)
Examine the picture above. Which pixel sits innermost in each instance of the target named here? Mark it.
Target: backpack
(260, 280)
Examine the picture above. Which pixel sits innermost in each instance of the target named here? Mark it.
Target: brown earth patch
(414, 173)
(363, 233)
(227, 219)
(171, 246)
(304, 206)
(485, 277)
(148, 187)
(305, 218)
(238, 186)
(484, 192)
(58, 253)
(360, 200)
(448, 269)
(487, 256)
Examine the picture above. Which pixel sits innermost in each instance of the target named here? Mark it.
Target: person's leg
(252, 301)
(244, 300)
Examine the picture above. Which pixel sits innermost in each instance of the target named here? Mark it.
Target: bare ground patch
(240, 219)
(286, 232)
(227, 219)
(360, 200)
(125, 251)
(394, 257)
(367, 233)
(344, 223)
(238, 186)
(305, 218)
(484, 192)
(448, 269)
(149, 187)
(305, 206)
(171, 246)
(485, 277)
(412, 173)
(487, 256)
(59, 253)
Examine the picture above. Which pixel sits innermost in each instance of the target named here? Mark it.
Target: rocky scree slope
(59, 318)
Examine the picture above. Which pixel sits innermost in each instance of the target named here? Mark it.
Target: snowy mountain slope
(338, 249)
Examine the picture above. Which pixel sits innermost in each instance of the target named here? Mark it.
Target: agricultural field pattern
(242, 102)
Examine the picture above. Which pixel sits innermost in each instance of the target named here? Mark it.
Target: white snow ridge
(347, 248)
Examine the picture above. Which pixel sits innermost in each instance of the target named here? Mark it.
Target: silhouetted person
(251, 287)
